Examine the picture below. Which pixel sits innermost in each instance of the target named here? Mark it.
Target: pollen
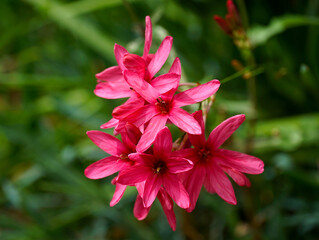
(159, 167)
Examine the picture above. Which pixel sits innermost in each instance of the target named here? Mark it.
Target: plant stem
(251, 85)
(247, 53)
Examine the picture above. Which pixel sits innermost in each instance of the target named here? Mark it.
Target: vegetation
(49, 53)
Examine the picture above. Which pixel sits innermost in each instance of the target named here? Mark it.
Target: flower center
(204, 154)
(159, 167)
(124, 157)
(162, 105)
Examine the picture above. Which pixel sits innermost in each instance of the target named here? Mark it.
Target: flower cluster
(146, 157)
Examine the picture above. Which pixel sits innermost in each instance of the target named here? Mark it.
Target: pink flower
(109, 165)
(119, 156)
(164, 83)
(158, 169)
(111, 83)
(163, 107)
(211, 163)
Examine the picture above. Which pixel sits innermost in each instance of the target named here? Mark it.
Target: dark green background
(49, 53)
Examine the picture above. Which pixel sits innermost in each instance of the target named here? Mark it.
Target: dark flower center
(159, 167)
(204, 154)
(162, 106)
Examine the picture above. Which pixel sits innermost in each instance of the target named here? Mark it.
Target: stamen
(124, 157)
(203, 154)
(159, 167)
(163, 106)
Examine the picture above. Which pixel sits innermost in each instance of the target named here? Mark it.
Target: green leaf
(79, 27)
(259, 35)
(86, 6)
(287, 134)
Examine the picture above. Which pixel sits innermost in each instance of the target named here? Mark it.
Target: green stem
(241, 73)
(249, 58)
(243, 13)
(251, 87)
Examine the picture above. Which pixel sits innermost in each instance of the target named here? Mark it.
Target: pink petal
(221, 183)
(184, 121)
(120, 127)
(107, 142)
(148, 36)
(160, 56)
(140, 188)
(142, 115)
(223, 131)
(152, 186)
(135, 174)
(163, 143)
(140, 212)
(240, 161)
(134, 63)
(131, 136)
(141, 86)
(141, 128)
(238, 177)
(142, 158)
(104, 167)
(176, 67)
(176, 190)
(193, 184)
(188, 153)
(113, 89)
(127, 108)
(196, 94)
(166, 82)
(165, 199)
(118, 194)
(110, 124)
(178, 165)
(167, 205)
(127, 142)
(209, 188)
(198, 141)
(148, 137)
(119, 53)
(111, 74)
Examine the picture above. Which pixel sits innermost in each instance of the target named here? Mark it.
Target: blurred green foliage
(49, 53)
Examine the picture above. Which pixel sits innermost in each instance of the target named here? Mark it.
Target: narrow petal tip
(232, 202)
(116, 46)
(88, 174)
(90, 132)
(261, 166)
(216, 17)
(240, 118)
(168, 38)
(216, 81)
